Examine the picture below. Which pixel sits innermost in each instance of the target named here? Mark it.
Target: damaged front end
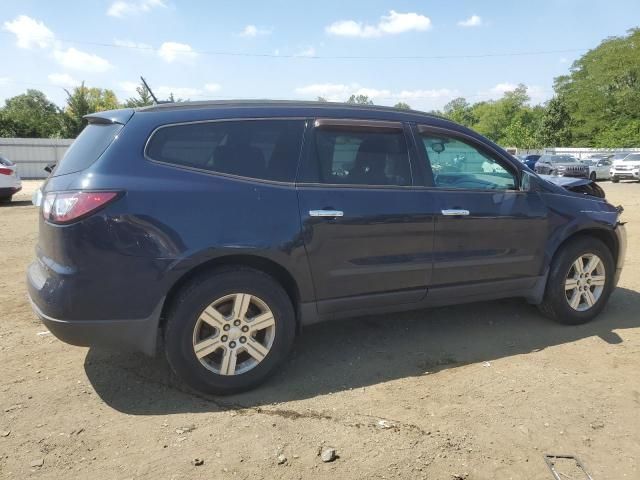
(582, 186)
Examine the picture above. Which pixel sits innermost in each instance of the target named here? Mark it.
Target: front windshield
(635, 157)
(567, 160)
(619, 156)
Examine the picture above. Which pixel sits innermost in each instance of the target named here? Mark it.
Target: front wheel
(580, 282)
(593, 176)
(228, 331)
(615, 179)
(5, 199)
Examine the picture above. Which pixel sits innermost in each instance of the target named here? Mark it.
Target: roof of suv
(212, 104)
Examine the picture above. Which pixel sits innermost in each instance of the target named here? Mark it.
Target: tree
(143, 99)
(602, 90)
(83, 101)
(402, 106)
(30, 115)
(459, 111)
(321, 100)
(555, 127)
(360, 100)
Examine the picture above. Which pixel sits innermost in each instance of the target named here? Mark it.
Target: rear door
(486, 228)
(368, 235)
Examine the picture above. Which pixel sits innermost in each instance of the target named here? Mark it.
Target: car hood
(582, 186)
(626, 163)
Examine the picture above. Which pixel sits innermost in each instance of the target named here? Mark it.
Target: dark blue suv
(218, 230)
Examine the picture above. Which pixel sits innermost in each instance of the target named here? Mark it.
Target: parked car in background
(561, 166)
(626, 167)
(10, 182)
(599, 166)
(530, 160)
(226, 228)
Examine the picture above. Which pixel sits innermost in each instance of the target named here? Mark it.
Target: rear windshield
(87, 148)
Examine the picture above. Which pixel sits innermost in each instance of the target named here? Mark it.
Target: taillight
(6, 171)
(67, 207)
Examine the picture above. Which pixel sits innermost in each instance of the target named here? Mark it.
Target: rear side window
(87, 148)
(262, 149)
(359, 158)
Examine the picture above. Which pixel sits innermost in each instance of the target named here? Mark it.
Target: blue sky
(184, 47)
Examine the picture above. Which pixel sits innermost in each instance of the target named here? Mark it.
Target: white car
(599, 167)
(10, 182)
(626, 168)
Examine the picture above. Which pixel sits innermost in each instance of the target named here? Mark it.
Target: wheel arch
(256, 262)
(606, 236)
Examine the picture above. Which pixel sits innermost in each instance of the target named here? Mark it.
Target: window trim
(421, 129)
(352, 125)
(304, 120)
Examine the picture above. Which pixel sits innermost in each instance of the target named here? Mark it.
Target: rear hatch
(102, 129)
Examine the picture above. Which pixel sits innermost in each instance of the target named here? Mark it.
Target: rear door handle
(454, 212)
(326, 213)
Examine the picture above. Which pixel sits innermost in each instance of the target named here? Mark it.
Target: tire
(220, 292)
(556, 301)
(615, 179)
(6, 199)
(593, 177)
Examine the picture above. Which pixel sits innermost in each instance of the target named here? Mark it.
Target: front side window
(262, 149)
(374, 158)
(457, 164)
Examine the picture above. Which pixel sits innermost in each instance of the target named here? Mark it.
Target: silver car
(599, 166)
(561, 166)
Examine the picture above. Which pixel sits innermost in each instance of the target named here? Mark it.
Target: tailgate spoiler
(120, 116)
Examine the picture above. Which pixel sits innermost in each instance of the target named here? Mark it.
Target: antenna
(146, 85)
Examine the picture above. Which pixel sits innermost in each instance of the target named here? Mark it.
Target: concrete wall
(33, 154)
(580, 153)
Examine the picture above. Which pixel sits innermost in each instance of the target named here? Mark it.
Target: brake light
(6, 171)
(67, 207)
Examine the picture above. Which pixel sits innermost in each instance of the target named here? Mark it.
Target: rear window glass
(262, 149)
(359, 158)
(87, 148)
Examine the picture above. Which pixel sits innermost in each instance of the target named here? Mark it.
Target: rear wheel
(227, 331)
(580, 282)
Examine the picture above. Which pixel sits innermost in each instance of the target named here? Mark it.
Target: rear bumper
(133, 335)
(9, 191)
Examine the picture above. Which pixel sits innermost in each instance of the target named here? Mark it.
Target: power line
(145, 47)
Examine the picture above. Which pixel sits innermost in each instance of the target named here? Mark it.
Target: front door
(487, 229)
(368, 235)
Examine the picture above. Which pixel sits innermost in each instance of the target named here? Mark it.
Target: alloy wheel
(234, 334)
(585, 282)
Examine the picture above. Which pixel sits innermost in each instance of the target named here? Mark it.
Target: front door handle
(326, 213)
(454, 212)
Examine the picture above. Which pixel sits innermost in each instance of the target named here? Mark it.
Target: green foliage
(321, 99)
(143, 99)
(555, 127)
(402, 106)
(460, 111)
(602, 93)
(30, 115)
(360, 100)
(83, 101)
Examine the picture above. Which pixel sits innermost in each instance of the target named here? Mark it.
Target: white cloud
(122, 8)
(306, 52)
(391, 24)
(174, 51)
(537, 93)
(439, 93)
(132, 44)
(29, 32)
(79, 60)
(63, 80)
(472, 21)
(128, 87)
(251, 31)
(212, 87)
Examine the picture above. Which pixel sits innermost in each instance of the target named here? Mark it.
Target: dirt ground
(478, 391)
